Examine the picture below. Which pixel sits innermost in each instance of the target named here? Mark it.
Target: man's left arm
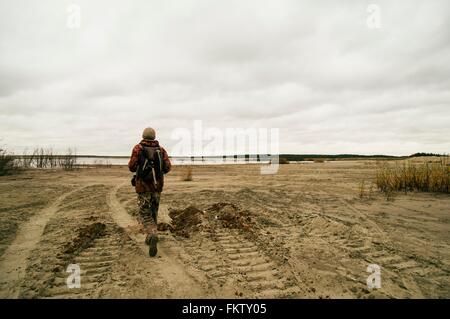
(167, 165)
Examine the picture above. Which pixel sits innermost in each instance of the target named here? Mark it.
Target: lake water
(174, 160)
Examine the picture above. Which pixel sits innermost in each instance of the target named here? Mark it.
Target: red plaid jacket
(141, 186)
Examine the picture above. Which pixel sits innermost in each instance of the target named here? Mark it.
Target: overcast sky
(313, 69)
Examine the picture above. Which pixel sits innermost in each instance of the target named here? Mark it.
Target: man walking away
(150, 162)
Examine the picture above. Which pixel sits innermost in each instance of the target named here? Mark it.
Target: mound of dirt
(164, 226)
(231, 216)
(192, 219)
(84, 239)
(185, 221)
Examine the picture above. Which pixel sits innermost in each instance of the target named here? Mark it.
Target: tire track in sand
(236, 263)
(376, 247)
(260, 275)
(81, 232)
(166, 265)
(13, 262)
(95, 263)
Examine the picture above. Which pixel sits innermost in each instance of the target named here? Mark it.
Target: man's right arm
(132, 164)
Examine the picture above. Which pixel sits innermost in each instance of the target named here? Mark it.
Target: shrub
(7, 164)
(67, 162)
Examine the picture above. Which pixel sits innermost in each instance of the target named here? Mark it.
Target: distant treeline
(425, 154)
(308, 157)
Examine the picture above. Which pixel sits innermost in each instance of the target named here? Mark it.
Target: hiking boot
(147, 239)
(152, 241)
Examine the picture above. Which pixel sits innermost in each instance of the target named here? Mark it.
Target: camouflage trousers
(148, 211)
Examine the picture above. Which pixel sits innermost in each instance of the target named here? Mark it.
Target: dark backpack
(150, 164)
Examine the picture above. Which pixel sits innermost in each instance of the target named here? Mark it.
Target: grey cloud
(312, 68)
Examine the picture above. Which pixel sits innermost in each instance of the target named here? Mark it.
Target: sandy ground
(302, 233)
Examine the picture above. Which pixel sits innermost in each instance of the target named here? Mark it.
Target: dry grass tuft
(425, 177)
(187, 174)
(362, 189)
